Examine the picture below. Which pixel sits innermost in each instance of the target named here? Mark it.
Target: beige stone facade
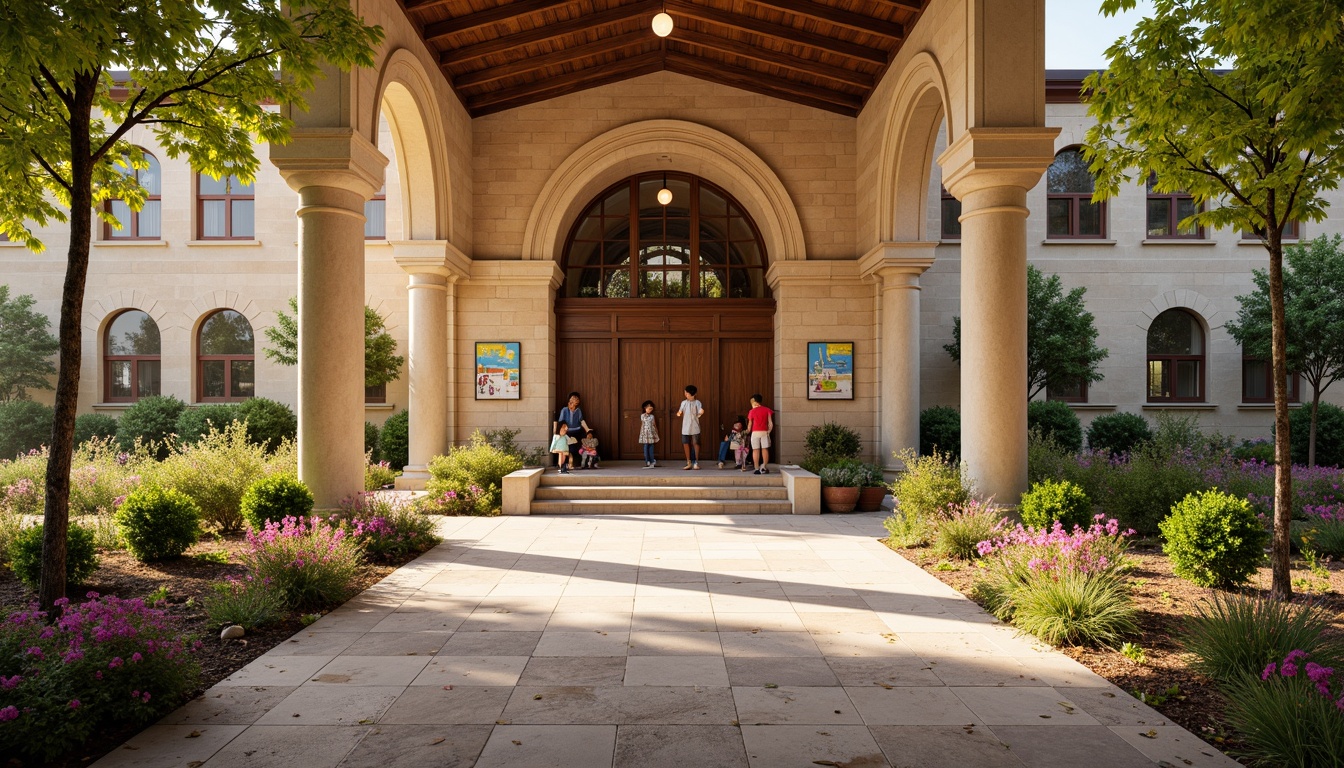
(848, 208)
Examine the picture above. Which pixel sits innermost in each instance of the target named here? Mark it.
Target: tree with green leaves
(382, 364)
(1062, 349)
(198, 74)
(1313, 311)
(1235, 102)
(26, 347)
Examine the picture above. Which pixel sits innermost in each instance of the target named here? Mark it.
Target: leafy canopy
(1235, 102)
(1313, 291)
(198, 73)
(382, 364)
(1061, 336)
(26, 347)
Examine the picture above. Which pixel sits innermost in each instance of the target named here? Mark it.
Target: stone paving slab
(662, 641)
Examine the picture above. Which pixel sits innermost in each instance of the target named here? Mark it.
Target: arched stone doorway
(657, 296)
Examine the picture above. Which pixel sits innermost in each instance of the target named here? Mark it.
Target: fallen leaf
(296, 714)
(517, 743)
(439, 740)
(536, 696)
(1149, 734)
(503, 722)
(884, 685)
(194, 735)
(772, 685)
(365, 721)
(447, 687)
(826, 762)
(195, 764)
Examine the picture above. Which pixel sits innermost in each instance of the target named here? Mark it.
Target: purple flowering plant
(1099, 548)
(310, 561)
(388, 525)
(1292, 714)
(104, 661)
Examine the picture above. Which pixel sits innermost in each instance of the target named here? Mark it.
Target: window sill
(1091, 406)
(128, 243)
(1260, 244)
(1076, 241)
(223, 243)
(112, 406)
(380, 242)
(1180, 406)
(950, 241)
(1263, 406)
(1177, 241)
(380, 406)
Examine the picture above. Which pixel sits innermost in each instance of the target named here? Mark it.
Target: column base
(413, 478)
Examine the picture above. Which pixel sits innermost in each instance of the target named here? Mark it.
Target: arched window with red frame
(1176, 358)
(146, 223)
(131, 362)
(226, 363)
(1069, 211)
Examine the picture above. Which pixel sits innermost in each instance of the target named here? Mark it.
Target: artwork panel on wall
(498, 370)
(830, 370)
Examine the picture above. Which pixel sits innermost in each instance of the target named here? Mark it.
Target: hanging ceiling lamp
(665, 194)
(662, 23)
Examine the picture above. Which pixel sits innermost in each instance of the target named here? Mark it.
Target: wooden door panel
(585, 367)
(641, 373)
(745, 368)
(692, 362)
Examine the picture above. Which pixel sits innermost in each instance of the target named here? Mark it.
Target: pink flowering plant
(1060, 585)
(310, 561)
(388, 525)
(103, 662)
(471, 501)
(1293, 713)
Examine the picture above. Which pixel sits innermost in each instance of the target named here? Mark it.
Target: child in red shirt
(761, 421)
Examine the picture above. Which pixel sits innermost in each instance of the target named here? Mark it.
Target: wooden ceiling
(826, 54)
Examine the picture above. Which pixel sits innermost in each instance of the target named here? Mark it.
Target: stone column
(334, 171)
(898, 267)
(990, 171)
(434, 267)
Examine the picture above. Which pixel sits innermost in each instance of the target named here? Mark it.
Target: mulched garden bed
(1163, 601)
(187, 580)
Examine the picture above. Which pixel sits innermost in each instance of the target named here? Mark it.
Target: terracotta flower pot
(840, 499)
(870, 498)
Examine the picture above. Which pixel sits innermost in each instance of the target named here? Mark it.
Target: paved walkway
(686, 642)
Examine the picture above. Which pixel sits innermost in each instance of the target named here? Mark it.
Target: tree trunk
(56, 517)
(1311, 434)
(1280, 551)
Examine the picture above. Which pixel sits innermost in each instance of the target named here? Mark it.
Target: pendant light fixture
(662, 23)
(665, 194)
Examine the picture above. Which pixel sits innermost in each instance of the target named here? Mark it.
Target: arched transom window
(1176, 358)
(701, 244)
(226, 366)
(131, 366)
(1070, 211)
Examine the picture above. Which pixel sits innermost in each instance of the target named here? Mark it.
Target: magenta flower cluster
(1096, 549)
(308, 539)
(1320, 678)
(63, 680)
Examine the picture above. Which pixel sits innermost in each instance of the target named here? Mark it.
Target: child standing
(648, 433)
(560, 447)
(588, 450)
(732, 442)
(690, 413)
(762, 421)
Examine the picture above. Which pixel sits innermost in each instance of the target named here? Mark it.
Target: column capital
(330, 157)
(518, 272)
(982, 158)
(431, 257)
(810, 273)
(898, 264)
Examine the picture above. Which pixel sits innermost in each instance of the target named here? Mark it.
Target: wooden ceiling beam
(414, 6)
(508, 98)
(905, 5)
(584, 23)
(837, 16)
(751, 80)
(562, 56)
(767, 56)
(500, 13)
(784, 34)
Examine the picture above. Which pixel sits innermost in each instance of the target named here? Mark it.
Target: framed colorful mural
(498, 370)
(830, 370)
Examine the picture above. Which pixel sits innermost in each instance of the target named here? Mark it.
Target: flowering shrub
(1063, 586)
(249, 602)
(388, 525)
(1214, 539)
(103, 662)
(478, 464)
(25, 555)
(1293, 714)
(309, 562)
(470, 501)
(959, 530)
(378, 474)
(23, 498)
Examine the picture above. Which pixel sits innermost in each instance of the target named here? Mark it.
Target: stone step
(661, 507)
(663, 492)
(657, 478)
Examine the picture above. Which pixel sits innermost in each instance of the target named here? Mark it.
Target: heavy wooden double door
(621, 356)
